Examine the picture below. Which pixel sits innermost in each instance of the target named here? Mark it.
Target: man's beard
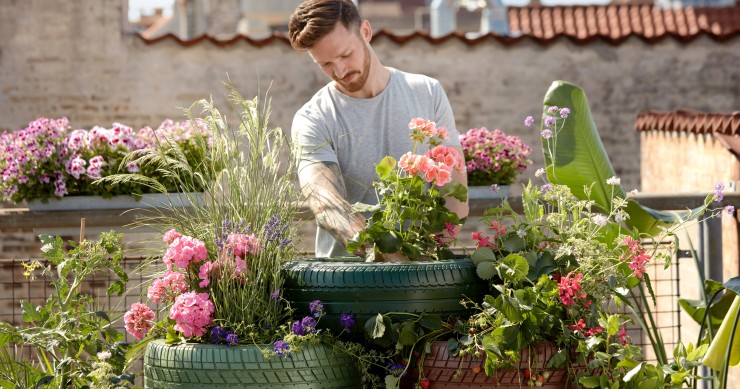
(357, 85)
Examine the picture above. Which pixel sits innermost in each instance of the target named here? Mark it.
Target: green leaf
(361, 207)
(407, 335)
(630, 374)
(590, 382)
(677, 378)
(375, 326)
(389, 242)
(697, 308)
(384, 169)
(612, 325)
(30, 314)
(457, 191)
(391, 382)
(486, 270)
(509, 307)
(558, 360)
(430, 321)
(483, 254)
(512, 268)
(513, 244)
(733, 284)
(711, 287)
(697, 353)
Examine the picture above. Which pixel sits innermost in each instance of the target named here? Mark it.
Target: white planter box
(150, 200)
(485, 192)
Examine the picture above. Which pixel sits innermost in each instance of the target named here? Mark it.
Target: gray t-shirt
(357, 133)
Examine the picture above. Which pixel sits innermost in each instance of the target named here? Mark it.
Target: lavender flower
(347, 320)
(564, 112)
(546, 188)
(495, 188)
(232, 339)
(281, 348)
(549, 121)
(552, 109)
(600, 220)
(275, 295)
(274, 229)
(396, 369)
(718, 188)
(546, 133)
(528, 121)
(317, 308)
(730, 210)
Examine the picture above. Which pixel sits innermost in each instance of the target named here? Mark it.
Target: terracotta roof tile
(613, 23)
(686, 120)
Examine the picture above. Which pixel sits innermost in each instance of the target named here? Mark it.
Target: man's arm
(459, 207)
(323, 186)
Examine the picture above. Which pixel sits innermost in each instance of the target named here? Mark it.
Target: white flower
(620, 217)
(614, 180)
(599, 220)
(521, 233)
(634, 191)
(104, 355)
(539, 172)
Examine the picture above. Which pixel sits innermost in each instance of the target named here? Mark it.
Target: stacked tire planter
(191, 366)
(446, 371)
(350, 285)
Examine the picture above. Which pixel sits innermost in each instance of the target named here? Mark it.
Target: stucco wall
(71, 58)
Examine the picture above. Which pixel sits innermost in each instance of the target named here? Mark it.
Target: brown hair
(314, 19)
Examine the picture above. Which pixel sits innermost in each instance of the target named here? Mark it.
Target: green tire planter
(350, 285)
(218, 366)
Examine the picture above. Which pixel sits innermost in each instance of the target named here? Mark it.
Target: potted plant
(49, 161)
(215, 312)
(493, 161)
(410, 218)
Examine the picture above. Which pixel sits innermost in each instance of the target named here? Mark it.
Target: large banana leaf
(577, 158)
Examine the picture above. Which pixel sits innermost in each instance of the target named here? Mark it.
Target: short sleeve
(443, 115)
(312, 140)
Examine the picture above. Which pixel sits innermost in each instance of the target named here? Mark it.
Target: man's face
(343, 55)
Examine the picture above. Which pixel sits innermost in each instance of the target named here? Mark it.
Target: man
(355, 120)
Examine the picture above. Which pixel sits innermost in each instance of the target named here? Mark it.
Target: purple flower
(275, 294)
(274, 230)
(281, 348)
(564, 112)
(316, 308)
(730, 210)
(309, 324)
(232, 339)
(218, 333)
(528, 121)
(347, 320)
(549, 121)
(546, 133)
(718, 188)
(552, 109)
(396, 369)
(546, 188)
(297, 328)
(495, 188)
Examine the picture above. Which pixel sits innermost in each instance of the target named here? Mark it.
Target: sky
(137, 7)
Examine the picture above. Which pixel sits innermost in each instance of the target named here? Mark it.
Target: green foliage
(72, 339)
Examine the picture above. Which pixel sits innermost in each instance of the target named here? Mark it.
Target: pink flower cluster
(183, 251)
(39, 161)
(425, 130)
(243, 244)
(139, 320)
(492, 157)
(637, 257)
(497, 229)
(167, 288)
(570, 288)
(192, 313)
(581, 327)
(420, 165)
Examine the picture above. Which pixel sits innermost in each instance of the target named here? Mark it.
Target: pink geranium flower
(185, 250)
(192, 314)
(139, 320)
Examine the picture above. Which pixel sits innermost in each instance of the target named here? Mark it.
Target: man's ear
(366, 30)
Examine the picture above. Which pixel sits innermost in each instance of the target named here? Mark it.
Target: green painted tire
(350, 285)
(201, 366)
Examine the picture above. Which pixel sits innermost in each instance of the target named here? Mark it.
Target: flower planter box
(149, 200)
(243, 366)
(442, 370)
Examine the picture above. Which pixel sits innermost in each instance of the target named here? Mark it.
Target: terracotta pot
(442, 370)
